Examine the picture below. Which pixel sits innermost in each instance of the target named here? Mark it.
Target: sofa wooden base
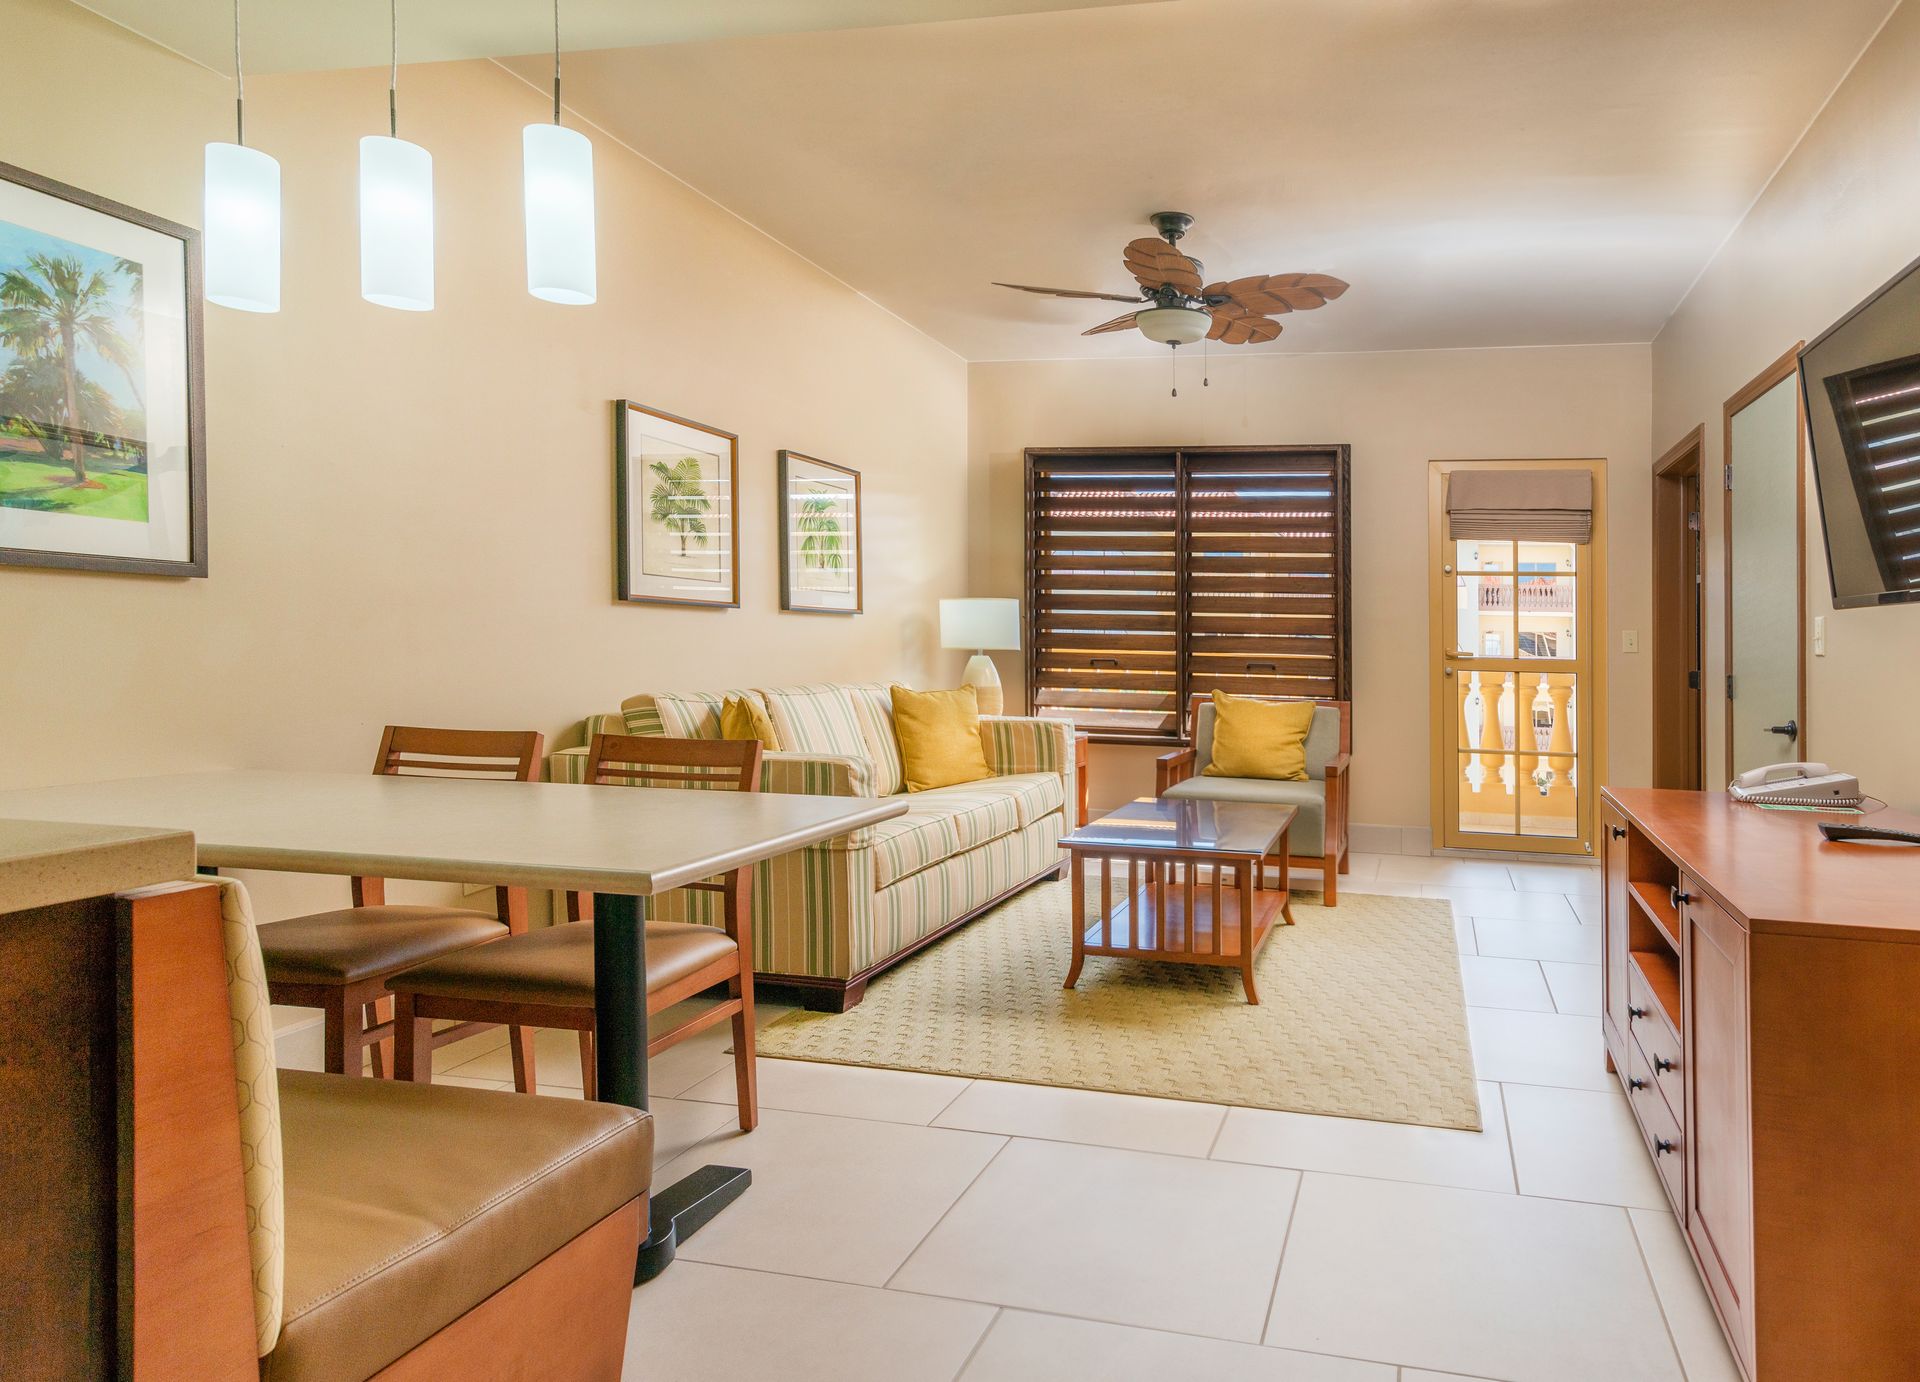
(821, 995)
(564, 1319)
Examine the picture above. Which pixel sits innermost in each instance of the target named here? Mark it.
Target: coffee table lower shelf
(1169, 925)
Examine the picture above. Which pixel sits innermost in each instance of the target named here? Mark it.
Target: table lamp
(981, 625)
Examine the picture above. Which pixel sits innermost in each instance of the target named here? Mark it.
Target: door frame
(1679, 595)
(1782, 369)
(1439, 611)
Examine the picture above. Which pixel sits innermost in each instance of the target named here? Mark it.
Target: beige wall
(1837, 220)
(411, 512)
(1397, 411)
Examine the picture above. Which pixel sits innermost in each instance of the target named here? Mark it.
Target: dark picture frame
(670, 541)
(190, 378)
(795, 598)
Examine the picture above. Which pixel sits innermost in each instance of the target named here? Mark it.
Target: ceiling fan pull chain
(1205, 360)
(1173, 361)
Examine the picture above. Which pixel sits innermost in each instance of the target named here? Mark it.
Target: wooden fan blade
(1234, 327)
(1117, 324)
(1271, 294)
(1070, 293)
(1155, 262)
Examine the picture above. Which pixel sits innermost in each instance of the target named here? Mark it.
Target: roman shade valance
(1522, 505)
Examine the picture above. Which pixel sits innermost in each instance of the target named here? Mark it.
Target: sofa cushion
(873, 708)
(943, 822)
(1323, 738)
(939, 734)
(407, 1205)
(1034, 794)
(679, 714)
(816, 720)
(1309, 826)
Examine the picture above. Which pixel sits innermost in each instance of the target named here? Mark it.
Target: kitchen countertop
(43, 863)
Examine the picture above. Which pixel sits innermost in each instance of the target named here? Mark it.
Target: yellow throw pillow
(939, 735)
(741, 718)
(1255, 738)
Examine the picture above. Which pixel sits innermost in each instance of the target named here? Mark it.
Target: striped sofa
(828, 918)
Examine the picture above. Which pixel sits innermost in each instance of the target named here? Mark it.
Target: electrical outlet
(1819, 635)
(1629, 640)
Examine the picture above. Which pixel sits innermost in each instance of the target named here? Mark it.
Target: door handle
(1791, 729)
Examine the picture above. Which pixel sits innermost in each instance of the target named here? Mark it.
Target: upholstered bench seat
(356, 943)
(554, 965)
(408, 1205)
(1309, 800)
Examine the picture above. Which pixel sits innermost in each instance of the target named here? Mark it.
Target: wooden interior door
(1679, 648)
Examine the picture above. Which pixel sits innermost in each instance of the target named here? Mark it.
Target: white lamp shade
(242, 228)
(396, 224)
(559, 188)
(980, 624)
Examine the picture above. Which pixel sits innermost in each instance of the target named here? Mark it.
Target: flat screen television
(1861, 384)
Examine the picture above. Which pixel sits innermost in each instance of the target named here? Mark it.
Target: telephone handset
(1797, 784)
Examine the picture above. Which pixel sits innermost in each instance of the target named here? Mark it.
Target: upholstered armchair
(1318, 838)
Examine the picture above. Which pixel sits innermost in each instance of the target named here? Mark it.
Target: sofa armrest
(1170, 768)
(1036, 744)
(816, 774)
(567, 765)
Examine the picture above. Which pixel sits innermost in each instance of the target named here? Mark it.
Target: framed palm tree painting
(102, 451)
(819, 536)
(676, 489)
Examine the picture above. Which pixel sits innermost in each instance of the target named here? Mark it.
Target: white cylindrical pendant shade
(242, 228)
(396, 224)
(559, 190)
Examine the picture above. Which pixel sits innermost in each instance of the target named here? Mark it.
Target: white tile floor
(905, 1226)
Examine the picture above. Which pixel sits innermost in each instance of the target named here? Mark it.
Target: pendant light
(242, 214)
(396, 205)
(558, 166)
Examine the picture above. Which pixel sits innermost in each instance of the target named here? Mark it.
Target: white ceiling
(314, 35)
(1484, 172)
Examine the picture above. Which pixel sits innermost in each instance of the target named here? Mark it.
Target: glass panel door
(1513, 624)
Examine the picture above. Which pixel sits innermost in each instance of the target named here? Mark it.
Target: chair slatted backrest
(496, 755)
(645, 760)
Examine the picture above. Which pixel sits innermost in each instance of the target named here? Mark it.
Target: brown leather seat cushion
(358, 943)
(407, 1205)
(555, 965)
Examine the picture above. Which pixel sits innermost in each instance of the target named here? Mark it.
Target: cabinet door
(1617, 915)
(1718, 1139)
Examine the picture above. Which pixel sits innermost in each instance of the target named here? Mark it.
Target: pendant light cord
(556, 61)
(239, 83)
(393, 68)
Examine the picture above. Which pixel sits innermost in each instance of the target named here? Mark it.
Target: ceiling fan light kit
(1176, 307)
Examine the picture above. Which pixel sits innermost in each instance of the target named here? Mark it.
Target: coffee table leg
(1286, 879)
(1079, 886)
(1247, 905)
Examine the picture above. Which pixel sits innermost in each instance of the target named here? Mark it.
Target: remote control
(1833, 830)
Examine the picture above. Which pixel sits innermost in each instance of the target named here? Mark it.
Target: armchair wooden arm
(1170, 768)
(1338, 770)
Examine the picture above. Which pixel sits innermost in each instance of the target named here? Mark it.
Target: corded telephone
(1797, 784)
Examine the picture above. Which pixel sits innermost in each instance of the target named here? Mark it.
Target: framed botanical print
(102, 415)
(676, 492)
(819, 536)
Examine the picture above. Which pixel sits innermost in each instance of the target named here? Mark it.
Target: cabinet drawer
(1660, 1043)
(1658, 1128)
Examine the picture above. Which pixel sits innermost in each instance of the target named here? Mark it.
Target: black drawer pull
(1661, 1065)
(1637, 1014)
(1661, 1146)
(1678, 898)
(1635, 1083)
(1619, 832)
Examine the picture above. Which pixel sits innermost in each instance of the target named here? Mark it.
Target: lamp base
(984, 678)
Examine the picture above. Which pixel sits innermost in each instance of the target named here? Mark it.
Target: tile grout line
(1226, 1112)
(1506, 1121)
(1653, 1285)
(974, 1352)
(1273, 1296)
(1005, 1142)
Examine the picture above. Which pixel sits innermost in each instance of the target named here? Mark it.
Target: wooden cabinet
(1762, 1012)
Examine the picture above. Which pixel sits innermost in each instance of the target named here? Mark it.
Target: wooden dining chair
(545, 978)
(340, 961)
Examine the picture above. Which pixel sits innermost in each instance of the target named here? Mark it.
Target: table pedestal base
(682, 1210)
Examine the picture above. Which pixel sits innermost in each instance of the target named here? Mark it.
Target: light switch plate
(1629, 640)
(1819, 635)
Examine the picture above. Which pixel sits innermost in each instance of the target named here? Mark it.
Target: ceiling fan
(1175, 309)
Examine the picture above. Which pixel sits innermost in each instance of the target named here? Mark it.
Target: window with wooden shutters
(1156, 574)
(1878, 411)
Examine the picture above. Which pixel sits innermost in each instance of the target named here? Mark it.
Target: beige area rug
(1361, 1014)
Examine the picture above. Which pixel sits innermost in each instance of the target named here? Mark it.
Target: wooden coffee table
(1164, 909)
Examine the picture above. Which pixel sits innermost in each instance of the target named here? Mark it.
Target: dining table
(622, 845)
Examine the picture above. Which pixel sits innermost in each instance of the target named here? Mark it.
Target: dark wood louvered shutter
(1103, 584)
(1266, 566)
(1155, 574)
(1878, 410)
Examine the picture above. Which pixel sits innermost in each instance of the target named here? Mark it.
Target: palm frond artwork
(820, 536)
(822, 544)
(679, 501)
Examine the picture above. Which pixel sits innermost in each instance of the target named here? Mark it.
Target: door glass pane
(1550, 798)
(1486, 793)
(1764, 581)
(1547, 611)
(1482, 556)
(1483, 623)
